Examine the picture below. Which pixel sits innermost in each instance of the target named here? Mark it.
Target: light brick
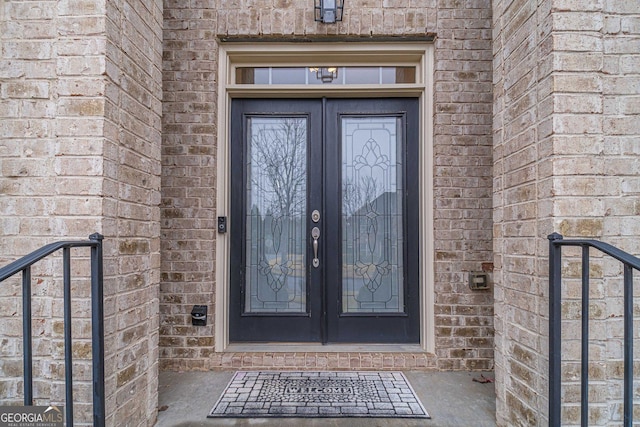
(26, 89)
(27, 49)
(577, 21)
(585, 43)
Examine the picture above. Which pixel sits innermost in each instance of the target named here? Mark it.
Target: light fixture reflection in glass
(326, 74)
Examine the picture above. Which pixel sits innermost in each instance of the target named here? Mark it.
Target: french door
(324, 221)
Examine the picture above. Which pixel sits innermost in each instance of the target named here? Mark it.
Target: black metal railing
(97, 321)
(630, 263)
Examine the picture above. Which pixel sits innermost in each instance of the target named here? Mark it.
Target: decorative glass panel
(372, 239)
(276, 212)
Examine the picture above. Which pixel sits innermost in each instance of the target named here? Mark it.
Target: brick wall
(462, 182)
(80, 93)
(131, 212)
(566, 146)
(462, 145)
(522, 209)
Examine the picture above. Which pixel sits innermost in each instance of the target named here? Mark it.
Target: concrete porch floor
(452, 399)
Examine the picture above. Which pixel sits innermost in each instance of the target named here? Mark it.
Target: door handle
(315, 234)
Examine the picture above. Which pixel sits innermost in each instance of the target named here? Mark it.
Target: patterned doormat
(258, 394)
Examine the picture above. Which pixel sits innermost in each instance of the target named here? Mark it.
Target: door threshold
(259, 347)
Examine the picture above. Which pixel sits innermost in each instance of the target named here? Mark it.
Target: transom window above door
(325, 75)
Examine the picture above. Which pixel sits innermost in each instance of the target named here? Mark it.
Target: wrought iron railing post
(68, 347)
(555, 334)
(584, 354)
(27, 342)
(628, 346)
(97, 330)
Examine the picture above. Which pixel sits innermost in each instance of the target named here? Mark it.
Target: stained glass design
(372, 239)
(276, 210)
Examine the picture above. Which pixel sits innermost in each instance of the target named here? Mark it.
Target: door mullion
(315, 192)
(323, 318)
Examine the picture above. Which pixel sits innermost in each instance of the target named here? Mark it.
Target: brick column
(80, 106)
(565, 160)
(131, 212)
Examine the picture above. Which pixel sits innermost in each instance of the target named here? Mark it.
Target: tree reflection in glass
(276, 210)
(372, 242)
